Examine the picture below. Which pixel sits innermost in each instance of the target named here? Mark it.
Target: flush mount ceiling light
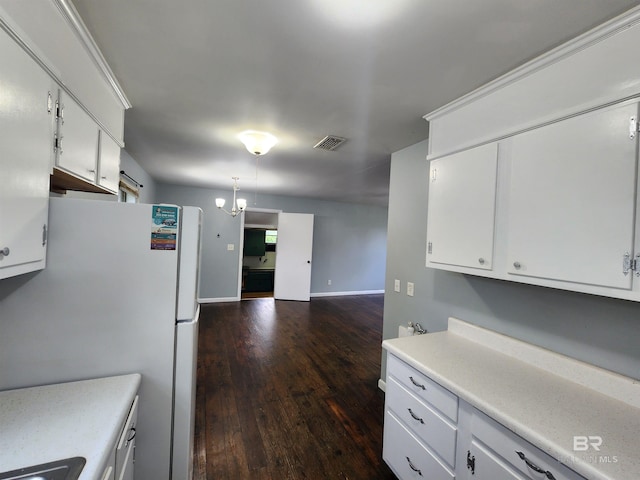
(258, 143)
(238, 206)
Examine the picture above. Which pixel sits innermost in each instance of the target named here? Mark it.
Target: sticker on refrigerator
(164, 227)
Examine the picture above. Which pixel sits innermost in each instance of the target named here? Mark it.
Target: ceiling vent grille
(330, 142)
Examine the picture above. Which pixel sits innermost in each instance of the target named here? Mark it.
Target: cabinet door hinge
(634, 127)
(630, 263)
(434, 174)
(430, 248)
(49, 103)
(59, 112)
(57, 143)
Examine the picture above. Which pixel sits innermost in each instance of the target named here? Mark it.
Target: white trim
(569, 48)
(382, 385)
(339, 294)
(74, 20)
(218, 300)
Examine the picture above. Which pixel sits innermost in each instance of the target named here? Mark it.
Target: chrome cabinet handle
(413, 467)
(517, 265)
(5, 252)
(534, 467)
(481, 261)
(415, 417)
(417, 384)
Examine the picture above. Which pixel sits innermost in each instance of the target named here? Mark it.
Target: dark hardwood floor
(288, 390)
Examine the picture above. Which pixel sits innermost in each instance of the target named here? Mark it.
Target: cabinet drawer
(126, 442)
(407, 457)
(487, 434)
(423, 388)
(428, 425)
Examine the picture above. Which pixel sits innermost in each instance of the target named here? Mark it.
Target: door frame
(241, 242)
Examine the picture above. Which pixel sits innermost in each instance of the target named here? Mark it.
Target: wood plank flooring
(288, 390)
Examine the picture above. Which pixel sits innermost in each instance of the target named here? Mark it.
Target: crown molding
(72, 17)
(571, 47)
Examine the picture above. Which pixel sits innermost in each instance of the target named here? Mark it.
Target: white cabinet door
(572, 199)
(461, 210)
(26, 145)
(77, 140)
(109, 163)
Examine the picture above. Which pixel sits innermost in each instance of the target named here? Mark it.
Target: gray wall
(131, 167)
(349, 241)
(598, 330)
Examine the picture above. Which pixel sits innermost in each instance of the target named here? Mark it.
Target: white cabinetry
(493, 452)
(109, 163)
(420, 424)
(430, 433)
(26, 129)
(83, 151)
(122, 456)
(462, 196)
(564, 154)
(572, 199)
(77, 140)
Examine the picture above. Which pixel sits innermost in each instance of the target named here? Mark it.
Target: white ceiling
(198, 72)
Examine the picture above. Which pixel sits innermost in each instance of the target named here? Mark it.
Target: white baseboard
(340, 294)
(219, 300)
(320, 294)
(382, 385)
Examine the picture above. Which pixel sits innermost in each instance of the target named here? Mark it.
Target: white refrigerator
(118, 295)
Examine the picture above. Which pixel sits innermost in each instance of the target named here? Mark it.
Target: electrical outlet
(231, 246)
(396, 285)
(328, 282)
(410, 289)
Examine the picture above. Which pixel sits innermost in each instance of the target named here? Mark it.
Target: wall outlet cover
(396, 285)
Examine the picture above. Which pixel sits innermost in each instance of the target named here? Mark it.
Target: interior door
(293, 257)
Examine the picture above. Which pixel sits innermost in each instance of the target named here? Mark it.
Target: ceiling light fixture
(238, 205)
(258, 143)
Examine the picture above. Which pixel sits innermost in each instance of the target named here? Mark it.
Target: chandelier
(238, 206)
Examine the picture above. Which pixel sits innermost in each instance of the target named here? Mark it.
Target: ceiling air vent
(330, 142)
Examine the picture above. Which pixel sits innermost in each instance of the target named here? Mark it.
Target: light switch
(396, 285)
(410, 289)
(231, 246)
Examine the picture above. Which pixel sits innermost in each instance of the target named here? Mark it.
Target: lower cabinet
(420, 425)
(430, 433)
(494, 452)
(122, 456)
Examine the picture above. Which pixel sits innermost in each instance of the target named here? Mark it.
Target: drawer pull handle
(415, 417)
(417, 384)
(413, 467)
(534, 467)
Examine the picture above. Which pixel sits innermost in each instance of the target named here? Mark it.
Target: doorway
(259, 253)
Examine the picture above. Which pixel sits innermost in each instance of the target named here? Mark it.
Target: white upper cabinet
(572, 199)
(77, 140)
(462, 195)
(26, 132)
(109, 163)
(534, 176)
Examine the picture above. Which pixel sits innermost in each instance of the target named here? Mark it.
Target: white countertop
(44, 424)
(542, 396)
